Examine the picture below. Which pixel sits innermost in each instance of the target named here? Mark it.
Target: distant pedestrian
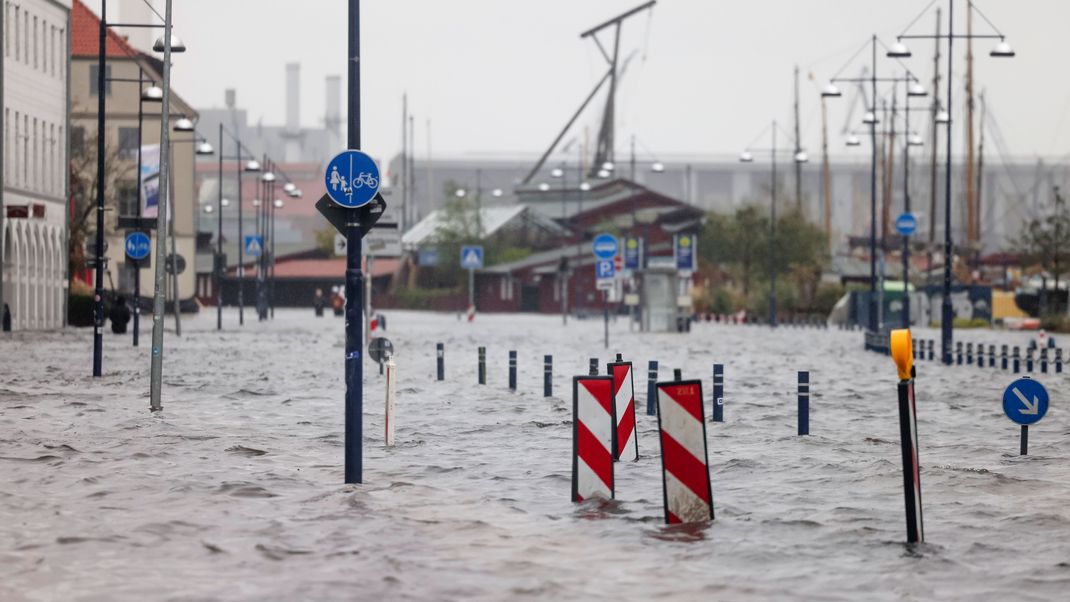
(338, 302)
(119, 315)
(318, 302)
(7, 318)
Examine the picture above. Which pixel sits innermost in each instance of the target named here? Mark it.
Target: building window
(94, 74)
(77, 140)
(35, 42)
(26, 37)
(17, 33)
(35, 170)
(128, 142)
(127, 197)
(7, 29)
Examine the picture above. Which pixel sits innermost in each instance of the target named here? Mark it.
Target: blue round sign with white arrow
(352, 179)
(604, 246)
(137, 245)
(906, 224)
(1025, 401)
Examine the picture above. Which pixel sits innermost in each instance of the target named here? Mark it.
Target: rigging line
(764, 131)
(920, 15)
(990, 23)
(851, 60)
(838, 52)
(153, 9)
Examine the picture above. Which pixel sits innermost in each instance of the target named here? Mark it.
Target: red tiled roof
(85, 36)
(329, 268)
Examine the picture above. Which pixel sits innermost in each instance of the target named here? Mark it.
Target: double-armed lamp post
(799, 157)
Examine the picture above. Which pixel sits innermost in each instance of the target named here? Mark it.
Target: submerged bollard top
(902, 353)
(620, 358)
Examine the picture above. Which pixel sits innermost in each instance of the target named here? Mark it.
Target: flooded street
(234, 491)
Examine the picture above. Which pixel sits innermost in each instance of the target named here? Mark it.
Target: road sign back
(1025, 401)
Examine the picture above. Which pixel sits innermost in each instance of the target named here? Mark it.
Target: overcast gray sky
(708, 75)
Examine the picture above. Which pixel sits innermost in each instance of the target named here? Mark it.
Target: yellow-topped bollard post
(903, 355)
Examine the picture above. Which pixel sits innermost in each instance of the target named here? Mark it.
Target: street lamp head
(279, 204)
(268, 177)
(831, 91)
(916, 89)
(224, 202)
(915, 140)
(252, 165)
(853, 140)
(208, 209)
(544, 187)
(585, 186)
(1002, 50)
(176, 44)
(289, 187)
(204, 148)
(496, 193)
(460, 193)
(152, 94)
(942, 117)
(608, 166)
(657, 167)
(746, 157)
(294, 194)
(183, 125)
(898, 51)
(869, 118)
(256, 202)
(603, 173)
(557, 172)
(801, 157)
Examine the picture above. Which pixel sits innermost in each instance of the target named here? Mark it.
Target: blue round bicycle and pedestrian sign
(352, 179)
(604, 246)
(137, 245)
(906, 224)
(1025, 401)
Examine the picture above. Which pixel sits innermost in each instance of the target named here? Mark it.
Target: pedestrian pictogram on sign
(472, 258)
(254, 245)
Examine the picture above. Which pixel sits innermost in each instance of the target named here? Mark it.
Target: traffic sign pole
(354, 367)
(908, 434)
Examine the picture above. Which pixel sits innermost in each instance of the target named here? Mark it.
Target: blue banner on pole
(684, 251)
(633, 253)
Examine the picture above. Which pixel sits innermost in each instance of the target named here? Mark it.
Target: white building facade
(34, 153)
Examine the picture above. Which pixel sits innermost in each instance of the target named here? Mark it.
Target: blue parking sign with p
(604, 269)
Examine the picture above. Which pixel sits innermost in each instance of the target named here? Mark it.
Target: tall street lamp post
(1001, 50)
(747, 156)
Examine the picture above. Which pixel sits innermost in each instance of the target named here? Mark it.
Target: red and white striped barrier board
(626, 442)
(592, 437)
(684, 461)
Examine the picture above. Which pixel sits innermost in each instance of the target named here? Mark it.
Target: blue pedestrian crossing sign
(352, 179)
(472, 257)
(1025, 401)
(906, 224)
(137, 245)
(254, 245)
(604, 269)
(604, 246)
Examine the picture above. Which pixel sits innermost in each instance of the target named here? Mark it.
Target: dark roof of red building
(85, 36)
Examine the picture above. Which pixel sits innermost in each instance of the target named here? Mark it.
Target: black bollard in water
(991, 356)
(547, 375)
(1043, 360)
(1029, 360)
(592, 369)
(980, 355)
(1017, 360)
(958, 352)
(677, 374)
(969, 354)
(914, 347)
(651, 387)
(718, 393)
(931, 352)
(440, 352)
(1024, 448)
(804, 402)
(482, 371)
(1002, 357)
(512, 370)
(1058, 361)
